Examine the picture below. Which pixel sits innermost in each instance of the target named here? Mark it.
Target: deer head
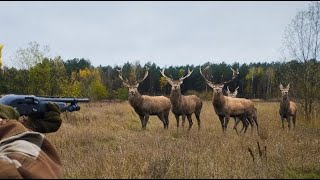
(217, 88)
(284, 90)
(133, 87)
(175, 84)
(234, 94)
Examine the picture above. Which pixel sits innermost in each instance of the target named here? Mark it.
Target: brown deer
(234, 94)
(183, 105)
(287, 108)
(145, 105)
(226, 107)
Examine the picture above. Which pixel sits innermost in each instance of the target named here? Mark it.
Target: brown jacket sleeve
(27, 154)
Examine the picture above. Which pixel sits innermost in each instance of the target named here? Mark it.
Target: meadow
(105, 140)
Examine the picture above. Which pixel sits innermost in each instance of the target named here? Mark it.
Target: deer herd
(225, 107)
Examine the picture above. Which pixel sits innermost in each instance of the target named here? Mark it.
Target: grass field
(105, 140)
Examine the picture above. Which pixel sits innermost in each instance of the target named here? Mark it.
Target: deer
(183, 105)
(287, 108)
(234, 94)
(145, 105)
(236, 120)
(226, 107)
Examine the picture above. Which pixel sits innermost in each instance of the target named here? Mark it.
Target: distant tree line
(77, 77)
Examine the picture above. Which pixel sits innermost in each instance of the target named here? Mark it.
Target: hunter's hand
(50, 122)
(8, 112)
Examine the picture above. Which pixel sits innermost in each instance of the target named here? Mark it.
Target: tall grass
(105, 140)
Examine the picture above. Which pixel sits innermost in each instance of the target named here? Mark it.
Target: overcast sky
(166, 33)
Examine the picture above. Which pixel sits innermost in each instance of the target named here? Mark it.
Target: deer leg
(249, 121)
(226, 121)
(183, 120)
(177, 118)
(236, 122)
(190, 121)
(161, 117)
(166, 117)
(221, 118)
(198, 119)
(294, 121)
(245, 124)
(146, 118)
(256, 121)
(288, 118)
(282, 119)
(142, 120)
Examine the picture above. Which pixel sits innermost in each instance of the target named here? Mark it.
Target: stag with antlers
(287, 108)
(145, 105)
(183, 105)
(226, 107)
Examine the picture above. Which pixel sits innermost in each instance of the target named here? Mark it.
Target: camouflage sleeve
(27, 154)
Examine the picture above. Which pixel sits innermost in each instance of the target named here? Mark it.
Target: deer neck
(218, 100)
(175, 97)
(135, 100)
(284, 104)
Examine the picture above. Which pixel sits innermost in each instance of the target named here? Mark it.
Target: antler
(125, 82)
(221, 76)
(204, 76)
(189, 73)
(236, 91)
(234, 73)
(228, 89)
(145, 75)
(168, 79)
(281, 86)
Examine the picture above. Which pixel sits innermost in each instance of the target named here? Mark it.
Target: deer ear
(288, 86)
(137, 85)
(280, 86)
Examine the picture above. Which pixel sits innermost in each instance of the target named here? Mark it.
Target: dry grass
(105, 140)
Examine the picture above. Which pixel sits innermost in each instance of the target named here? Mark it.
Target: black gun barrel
(63, 99)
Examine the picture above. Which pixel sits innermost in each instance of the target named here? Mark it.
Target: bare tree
(25, 58)
(301, 40)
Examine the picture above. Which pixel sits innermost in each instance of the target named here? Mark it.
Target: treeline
(79, 78)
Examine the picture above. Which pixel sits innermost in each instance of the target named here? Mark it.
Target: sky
(167, 33)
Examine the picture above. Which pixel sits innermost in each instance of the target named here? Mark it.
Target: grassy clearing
(105, 140)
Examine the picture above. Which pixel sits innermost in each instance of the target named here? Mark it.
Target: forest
(78, 77)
